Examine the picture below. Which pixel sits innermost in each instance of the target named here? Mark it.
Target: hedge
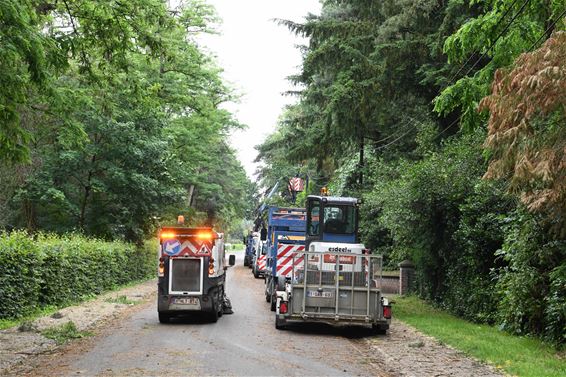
(58, 270)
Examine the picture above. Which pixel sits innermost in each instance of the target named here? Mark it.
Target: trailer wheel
(163, 318)
(273, 303)
(246, 261)
(279, 323)
(379, 329)
(256, 273)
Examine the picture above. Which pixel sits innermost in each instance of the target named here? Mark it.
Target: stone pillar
(406, 277)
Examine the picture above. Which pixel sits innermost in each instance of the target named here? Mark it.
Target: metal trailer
(285, 236)
(334, 288)
(191, 272)
(339, 283)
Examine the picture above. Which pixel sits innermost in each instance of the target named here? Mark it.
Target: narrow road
(244, 343)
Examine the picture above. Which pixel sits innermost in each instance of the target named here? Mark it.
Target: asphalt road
(245, 343)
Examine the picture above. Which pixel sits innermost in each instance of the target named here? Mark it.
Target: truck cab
(191, 272)
(249, 241)
(332, 219)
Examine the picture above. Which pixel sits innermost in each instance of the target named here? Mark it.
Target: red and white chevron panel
(285, 254)
(186, 247)
(261, 263)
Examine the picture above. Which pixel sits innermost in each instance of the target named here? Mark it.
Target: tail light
(161, 269)
(211, 266)
(387, 311)
(283, 307)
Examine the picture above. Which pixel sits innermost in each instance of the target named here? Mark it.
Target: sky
(257, 55)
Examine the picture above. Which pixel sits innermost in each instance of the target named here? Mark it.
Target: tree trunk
(361, 163)
(86, 195)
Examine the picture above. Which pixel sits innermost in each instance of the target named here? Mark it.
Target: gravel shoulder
(18, 344)
(407, 352)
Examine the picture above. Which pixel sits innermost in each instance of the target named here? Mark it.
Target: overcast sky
(257, 55)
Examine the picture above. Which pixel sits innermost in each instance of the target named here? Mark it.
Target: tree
(527, 129)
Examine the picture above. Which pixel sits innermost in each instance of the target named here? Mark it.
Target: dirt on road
(402, 352)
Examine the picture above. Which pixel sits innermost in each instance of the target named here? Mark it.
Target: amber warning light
(167, 235)
(204, 236)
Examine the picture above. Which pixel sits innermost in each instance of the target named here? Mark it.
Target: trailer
(191, 272)
(334, 280)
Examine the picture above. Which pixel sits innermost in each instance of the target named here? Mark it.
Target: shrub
(58, 270)
(532, 288)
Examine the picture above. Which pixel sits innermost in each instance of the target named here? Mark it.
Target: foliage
(52, 270)
(124, 105)
(492, 39)
(531, 287)
(526, 130)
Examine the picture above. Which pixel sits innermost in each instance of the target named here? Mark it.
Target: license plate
(186, 301)
(320, 294)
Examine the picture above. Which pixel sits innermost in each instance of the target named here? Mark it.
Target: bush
(532, 288)
(54, 270)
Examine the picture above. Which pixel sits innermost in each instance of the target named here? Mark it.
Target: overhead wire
(499, 36)
(548, 29)
(521, 9)
(476, 51)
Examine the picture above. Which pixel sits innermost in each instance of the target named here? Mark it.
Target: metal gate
(337, 286)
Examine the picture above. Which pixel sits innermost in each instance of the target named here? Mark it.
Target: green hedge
(57, 270)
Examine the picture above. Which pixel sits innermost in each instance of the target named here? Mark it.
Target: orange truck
(192, 273)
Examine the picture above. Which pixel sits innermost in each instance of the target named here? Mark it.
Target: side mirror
(263, 235)
(232, 260)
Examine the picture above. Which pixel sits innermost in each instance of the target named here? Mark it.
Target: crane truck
(285, 238)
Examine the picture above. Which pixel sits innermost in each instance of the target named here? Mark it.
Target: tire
(214, 314)
(279, 323)
(379, 330)
(246, 261)
(256, 273)
(220, 307)
(163, 318)
(267, 294)
(273, 303)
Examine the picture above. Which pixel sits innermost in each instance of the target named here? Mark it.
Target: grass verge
(63, 333)
(48, 310)
(518, 356)
(122, 300)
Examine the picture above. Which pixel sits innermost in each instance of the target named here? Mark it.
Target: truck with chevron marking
(191, 276)
(285, 237)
